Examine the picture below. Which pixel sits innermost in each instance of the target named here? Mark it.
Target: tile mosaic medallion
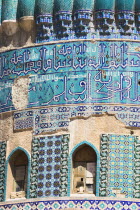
(119, 166)
(49, 171)
(2, 168)
(98, 204)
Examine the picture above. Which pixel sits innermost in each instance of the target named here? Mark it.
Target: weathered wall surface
(14, 139)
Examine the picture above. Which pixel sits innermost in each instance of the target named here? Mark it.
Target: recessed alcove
(84, 170)
(17, 175)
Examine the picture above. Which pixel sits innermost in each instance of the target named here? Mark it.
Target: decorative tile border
(97, 204)
(104, 151)
(2, 168)
(64, 165)
(34, 167)
(60, 116)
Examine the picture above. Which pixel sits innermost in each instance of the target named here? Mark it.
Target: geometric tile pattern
(97, 204)
(64, 165)
(2, 168)
(23, 120)
(121, 165)
(39, 119)
(34, 167)
(137, 168)
(104, 165)
(118, 159)
(49, 166)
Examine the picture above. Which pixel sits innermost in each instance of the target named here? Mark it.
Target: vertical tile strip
(104, 151)
(34, 167)
(137, 168)
(64, 165)
(2, 168)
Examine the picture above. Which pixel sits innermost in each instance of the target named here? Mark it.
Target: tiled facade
(80, 67)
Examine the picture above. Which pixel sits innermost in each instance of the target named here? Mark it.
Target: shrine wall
(69, 77)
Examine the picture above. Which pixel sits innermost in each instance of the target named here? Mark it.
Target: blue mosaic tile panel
(137, 168)
(104, 165)
(34, 167)
(49, 166)
(2, 168)
(23, 120)
(52, 166)
(97, 204)
(53, 118)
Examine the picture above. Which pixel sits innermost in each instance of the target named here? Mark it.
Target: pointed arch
(29, 169)
(70, 165)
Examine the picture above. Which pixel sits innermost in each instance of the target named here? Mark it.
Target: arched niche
(84, 163)
(17, 178)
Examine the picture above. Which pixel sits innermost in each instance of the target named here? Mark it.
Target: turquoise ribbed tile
(9, 9)
(125, 5)
(43, 7)
(83, 5)
(26, 8)
(106, 4)
(137, 5)
(63, 5)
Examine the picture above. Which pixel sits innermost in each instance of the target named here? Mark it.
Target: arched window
(84, 170)
(17, 175)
